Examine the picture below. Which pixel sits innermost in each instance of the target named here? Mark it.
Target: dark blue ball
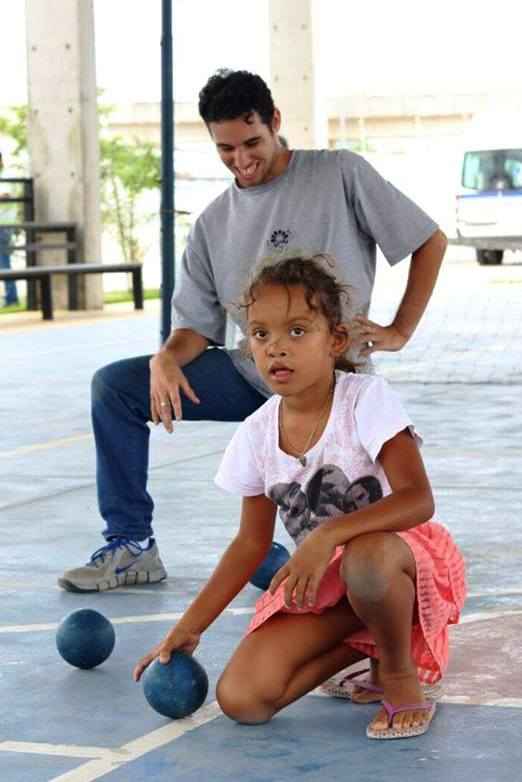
(274, 560)
(85, 638)
(177, 688)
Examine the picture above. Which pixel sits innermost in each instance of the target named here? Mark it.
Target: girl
(372, 575)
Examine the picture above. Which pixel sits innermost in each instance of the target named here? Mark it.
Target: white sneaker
(120, 562)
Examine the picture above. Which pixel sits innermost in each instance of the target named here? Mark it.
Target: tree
(15, 126)
(127, 171)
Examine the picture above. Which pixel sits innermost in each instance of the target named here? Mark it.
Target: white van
(489, 197)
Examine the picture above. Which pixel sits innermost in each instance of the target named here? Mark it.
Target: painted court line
(44, 446)
(482, 616)
(173, 617)
(94, 769)
(62, 750)
(467, 700)
(121, 620)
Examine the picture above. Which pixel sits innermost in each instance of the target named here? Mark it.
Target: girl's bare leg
(285, 658)
(379, 571)
(359, 694)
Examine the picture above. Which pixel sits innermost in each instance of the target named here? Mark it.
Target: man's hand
(372, 337)
(166, 383)
(304, 570)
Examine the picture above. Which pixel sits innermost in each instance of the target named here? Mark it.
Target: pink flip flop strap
(392, 710)
(364, 684)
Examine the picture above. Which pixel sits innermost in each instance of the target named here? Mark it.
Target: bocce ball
(85, 638)
(274, 560)
(177, 688)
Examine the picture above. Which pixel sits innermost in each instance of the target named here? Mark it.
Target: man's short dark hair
(233, 94)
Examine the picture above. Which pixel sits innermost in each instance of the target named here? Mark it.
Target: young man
(313, 201)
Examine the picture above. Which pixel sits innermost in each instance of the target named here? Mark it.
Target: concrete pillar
(293, 74)
(63, 129)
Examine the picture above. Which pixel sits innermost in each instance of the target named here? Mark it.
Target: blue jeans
(120, 411)
(11, 294)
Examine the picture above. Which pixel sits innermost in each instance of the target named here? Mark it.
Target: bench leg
(30, 261)
(47, 297)
(137, 288)
(72, 281)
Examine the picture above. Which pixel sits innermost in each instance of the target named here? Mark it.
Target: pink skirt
(441, 591)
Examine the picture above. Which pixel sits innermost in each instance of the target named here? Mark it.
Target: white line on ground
(482, 616)
(120, 620)
(44, 446)
(505, 703)
(497, 592)
(94, 769)
(63, 750)
(173, 617)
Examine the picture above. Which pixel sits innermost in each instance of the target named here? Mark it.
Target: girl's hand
(371, 337)
(305, 569)
(178, 639)
(167, 381)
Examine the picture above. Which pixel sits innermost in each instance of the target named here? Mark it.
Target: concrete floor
(59, 723)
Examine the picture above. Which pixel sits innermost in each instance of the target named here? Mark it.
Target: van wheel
(490, 257)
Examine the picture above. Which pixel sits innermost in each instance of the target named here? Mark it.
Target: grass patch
(20, 307)
(114, 297)
(117, 297)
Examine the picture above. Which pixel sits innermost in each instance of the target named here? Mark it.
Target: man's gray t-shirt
(324, 202)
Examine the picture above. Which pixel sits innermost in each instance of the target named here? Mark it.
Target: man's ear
(276, 121)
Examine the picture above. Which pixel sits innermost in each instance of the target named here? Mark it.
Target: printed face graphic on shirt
(293, 508)
(328, 493)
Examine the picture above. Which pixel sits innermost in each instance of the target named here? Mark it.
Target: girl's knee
(370, 564)
(240, 703)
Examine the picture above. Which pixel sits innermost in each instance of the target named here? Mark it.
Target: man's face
(250, 149)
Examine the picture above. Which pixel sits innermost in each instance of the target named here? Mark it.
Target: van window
(493, 169)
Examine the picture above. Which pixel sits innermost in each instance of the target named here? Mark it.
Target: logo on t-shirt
(279, 239)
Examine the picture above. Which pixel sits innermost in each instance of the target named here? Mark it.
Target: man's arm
(424, 269)
(167, 379)
(184, 345)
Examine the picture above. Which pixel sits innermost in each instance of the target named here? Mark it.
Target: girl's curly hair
(323, 292)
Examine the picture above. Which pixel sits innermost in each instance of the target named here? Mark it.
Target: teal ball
(274, 560)
(85, 638)
(177, 688)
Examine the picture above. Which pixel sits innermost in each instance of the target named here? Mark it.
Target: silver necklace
(300, 455)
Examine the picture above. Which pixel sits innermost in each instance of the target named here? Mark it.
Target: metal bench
(44, 274)
(32, 246)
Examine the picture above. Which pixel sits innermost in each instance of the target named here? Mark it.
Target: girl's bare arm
(235, 567)
(409, 504)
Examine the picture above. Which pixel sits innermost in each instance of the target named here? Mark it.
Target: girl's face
(292, 345)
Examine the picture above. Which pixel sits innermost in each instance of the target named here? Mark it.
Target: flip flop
(344, 688)
(403, 733)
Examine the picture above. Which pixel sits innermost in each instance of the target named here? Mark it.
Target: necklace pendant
(302, 460)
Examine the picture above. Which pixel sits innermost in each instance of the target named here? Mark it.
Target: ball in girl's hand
(177, 688)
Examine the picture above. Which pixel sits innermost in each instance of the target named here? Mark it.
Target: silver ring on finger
(164, 404)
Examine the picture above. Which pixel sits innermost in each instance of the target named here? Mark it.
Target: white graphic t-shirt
(341, 473)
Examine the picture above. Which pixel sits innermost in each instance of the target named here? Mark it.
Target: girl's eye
(297, 331)
(259, 334)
